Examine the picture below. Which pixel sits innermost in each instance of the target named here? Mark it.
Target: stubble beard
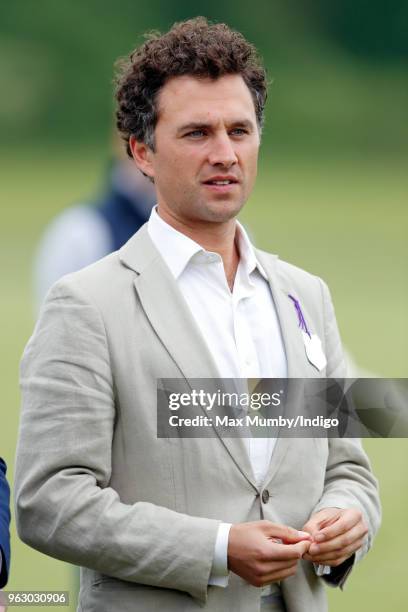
(219, 211)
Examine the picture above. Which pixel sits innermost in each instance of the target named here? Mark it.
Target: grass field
(344, 219)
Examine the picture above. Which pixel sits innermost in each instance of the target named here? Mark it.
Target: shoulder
(292, 278)
(110, 280)
(96, 283)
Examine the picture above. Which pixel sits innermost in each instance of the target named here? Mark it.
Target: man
(4, 525)
(175, 523)
(86, 232)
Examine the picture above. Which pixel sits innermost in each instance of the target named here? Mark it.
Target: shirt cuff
(219, 572)
(322, 570)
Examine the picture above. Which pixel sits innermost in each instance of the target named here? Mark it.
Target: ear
(142, 154)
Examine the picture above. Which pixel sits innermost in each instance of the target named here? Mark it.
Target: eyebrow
(202, 125)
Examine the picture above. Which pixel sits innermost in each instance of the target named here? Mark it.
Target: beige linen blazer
(97, 488)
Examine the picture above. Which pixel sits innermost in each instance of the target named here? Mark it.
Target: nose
(222, 152)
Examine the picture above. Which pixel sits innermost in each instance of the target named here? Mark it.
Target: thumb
(285, 533)
(302, 547)
(312, 525)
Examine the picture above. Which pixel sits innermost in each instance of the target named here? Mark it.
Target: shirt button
(265, 496)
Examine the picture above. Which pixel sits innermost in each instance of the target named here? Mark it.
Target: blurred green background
(331, 194)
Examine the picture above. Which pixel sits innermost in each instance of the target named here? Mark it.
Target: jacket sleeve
(349, 481)
(65, 507)
(4, 525)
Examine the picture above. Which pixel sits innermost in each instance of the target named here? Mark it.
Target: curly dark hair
(194, 47)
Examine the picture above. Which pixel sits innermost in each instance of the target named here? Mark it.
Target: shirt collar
(247, 252)
(177, 249)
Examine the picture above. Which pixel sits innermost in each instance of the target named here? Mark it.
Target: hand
(337, 534)
(262, 552)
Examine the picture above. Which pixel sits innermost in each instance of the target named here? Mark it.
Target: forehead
(189, 98)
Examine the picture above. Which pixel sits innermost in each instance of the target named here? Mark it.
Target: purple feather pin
(301, 318)
(313, 345)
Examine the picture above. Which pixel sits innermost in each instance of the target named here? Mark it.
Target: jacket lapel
(281, 288)
(297, 362)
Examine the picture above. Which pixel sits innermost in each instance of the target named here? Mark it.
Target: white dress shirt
(244, 338)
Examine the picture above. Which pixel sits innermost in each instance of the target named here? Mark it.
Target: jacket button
(265, 496)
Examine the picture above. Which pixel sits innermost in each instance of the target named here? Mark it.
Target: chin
(221, 212)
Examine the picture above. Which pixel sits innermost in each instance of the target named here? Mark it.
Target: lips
(221, 181)
(218, 182)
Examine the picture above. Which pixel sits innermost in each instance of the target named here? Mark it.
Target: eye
(239, 131)
(195, 134)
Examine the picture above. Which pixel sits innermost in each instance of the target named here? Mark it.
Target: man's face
(206, 148)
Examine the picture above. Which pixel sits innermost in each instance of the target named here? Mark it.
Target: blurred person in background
(4, 525)
(86, 232)
(95, 485)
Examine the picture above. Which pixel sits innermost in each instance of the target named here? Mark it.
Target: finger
(302, 547)
(330, 560)
(321, 519)
(358, 532)
(282, 552)
(347, 550)
(312, 525)
(284, 533)
(277, 576)
(346, 521)
(335, 562)
(286, 573)
(266, 569)
(323, 561)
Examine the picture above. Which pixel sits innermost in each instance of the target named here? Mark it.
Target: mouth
(222, 184)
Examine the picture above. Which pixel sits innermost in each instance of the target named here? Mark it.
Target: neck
(215, 237)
